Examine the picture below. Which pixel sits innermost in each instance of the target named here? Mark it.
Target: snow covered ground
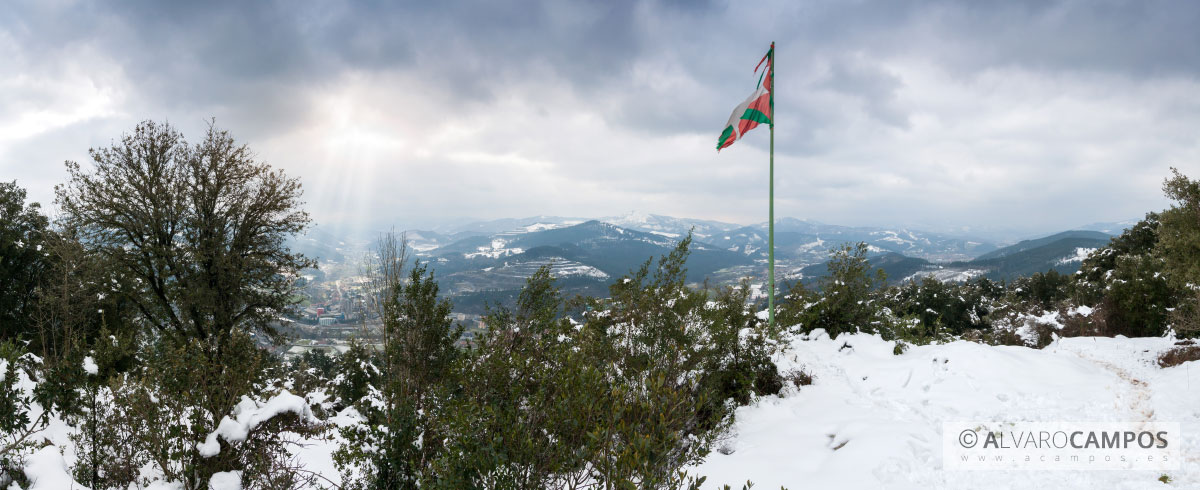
(873, 420)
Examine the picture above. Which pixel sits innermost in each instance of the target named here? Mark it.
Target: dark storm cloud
(234, 54)
(260, 55)
(908, 97)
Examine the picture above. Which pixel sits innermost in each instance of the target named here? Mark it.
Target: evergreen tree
(23, 230)
(845, 299)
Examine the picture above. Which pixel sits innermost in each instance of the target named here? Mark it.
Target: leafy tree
(22, 233)
(193, 239)
(1179, 231)
(396, 446)
(1179, 246)
(943, 308)
(200, 230)
(845, 300)
(1147, 278)
(528, 400)
(1091, 279)
(1137, 297)
(624, 400)
(1042, 290)
(669, 355)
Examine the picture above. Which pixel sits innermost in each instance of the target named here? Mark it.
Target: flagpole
(771, 206)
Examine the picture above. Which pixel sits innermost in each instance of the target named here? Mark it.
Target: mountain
(668, 226)
(1112, 228)
(532, 223)
(585, 257)
(489, 260)
(895, 265)
(1039, 242)
(797, 241)
(1062, 252)
(325, 246)
(810, 242)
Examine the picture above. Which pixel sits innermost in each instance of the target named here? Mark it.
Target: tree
(1179, 246)
(844, 302)
(201, 230)
(1179, 232)
(400, 439)
(1095, 271)
(193, 238)
(941, 308)
(22, 232)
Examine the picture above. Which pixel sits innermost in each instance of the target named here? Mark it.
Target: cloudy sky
(1028, 116)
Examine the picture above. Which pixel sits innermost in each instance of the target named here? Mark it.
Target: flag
(755, 110)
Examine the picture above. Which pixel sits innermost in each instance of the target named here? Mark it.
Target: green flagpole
(771, 207)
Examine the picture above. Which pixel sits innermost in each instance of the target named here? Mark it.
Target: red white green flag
(759, 108)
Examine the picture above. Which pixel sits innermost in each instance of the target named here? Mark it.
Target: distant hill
(1040, 242)
(481, 261)
(895, 265)
(810, 242)
(1110, 227)
(1063, 255)
(585, 257)
(702, 230)
(1062, 252)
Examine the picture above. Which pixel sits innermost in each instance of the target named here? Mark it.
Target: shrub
(940, 308)
(798, 377)
(1179, 355)
(402, 435)
(626, 399)
(1137, 298)
(161, 412)
(1042, 290)
(845, 300)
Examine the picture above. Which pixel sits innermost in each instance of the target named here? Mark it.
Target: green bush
(1041, 291)
(939, 308)
(845, 301)
(624, 399)
(402, 434)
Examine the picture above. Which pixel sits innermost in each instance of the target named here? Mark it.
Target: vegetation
(143, 318)
(1145, 282)
(639, 386)
(165, 268)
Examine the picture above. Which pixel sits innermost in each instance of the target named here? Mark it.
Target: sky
(944, 116)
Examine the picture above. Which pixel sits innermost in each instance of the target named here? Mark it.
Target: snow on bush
(249, 414)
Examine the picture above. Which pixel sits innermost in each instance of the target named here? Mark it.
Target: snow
(1081, 253)
(872, 419)
(495, 253)
(89, 366)
(226, 480)
(947, 274)
(47, 470)
(811, 246)
(248, 414)
(541, 227)
(578, 269)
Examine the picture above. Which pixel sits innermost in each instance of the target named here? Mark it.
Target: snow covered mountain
(702, 230)
(585, 256)
(810, 242)
(481, 257)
